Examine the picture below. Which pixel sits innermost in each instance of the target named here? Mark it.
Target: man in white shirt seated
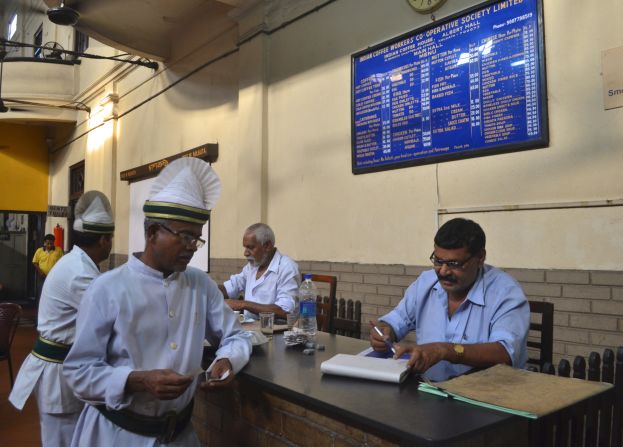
(269, 281)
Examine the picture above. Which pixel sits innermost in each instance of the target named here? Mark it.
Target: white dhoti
(58, 407)
(57, 429)
(43, 375)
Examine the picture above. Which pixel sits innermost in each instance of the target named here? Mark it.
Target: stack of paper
(386, 370)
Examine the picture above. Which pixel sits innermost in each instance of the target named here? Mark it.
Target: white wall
(280, 111)
(389, 217)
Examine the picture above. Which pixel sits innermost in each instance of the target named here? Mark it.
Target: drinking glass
(266, 322)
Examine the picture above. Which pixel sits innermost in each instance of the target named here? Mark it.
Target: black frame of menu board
(463, 149)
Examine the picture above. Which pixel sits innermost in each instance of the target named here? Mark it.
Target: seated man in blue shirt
(269, 281)
(466, 314)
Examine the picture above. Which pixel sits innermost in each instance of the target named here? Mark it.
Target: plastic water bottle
(307, 317)
(293, 315)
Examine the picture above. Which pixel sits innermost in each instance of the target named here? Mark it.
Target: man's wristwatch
(459, 350)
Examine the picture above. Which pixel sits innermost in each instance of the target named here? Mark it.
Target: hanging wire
(118, 58)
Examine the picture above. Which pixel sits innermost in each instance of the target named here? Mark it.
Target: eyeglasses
(452, 265)
(188, 239)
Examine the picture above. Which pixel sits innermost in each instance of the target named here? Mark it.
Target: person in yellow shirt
(46, 256)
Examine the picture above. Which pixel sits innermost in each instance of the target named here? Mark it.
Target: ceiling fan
(63, 15)
(60, 15)
(69, 16)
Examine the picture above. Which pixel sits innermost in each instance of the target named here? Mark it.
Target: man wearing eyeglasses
(136, 360)
(466, 314)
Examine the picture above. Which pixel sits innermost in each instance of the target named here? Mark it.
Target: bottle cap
(307, 276)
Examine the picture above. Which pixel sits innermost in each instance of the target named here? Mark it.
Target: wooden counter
(282, 398)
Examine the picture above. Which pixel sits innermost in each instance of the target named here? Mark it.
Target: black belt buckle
(170, 422)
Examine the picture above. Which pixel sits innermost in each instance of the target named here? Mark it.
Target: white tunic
(278, 285)
(62, 292)
(131, 319)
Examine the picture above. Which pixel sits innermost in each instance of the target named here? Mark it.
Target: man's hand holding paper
(219, 374)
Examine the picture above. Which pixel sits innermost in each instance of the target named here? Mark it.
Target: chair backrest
(9, 318)
(348, 319)
(325, 307)
(541, 335)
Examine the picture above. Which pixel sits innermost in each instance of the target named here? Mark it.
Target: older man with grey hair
(269, 280)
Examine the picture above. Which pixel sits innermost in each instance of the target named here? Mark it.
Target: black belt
(50, 351)
(165, 428)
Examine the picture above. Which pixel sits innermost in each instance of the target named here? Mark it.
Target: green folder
(431, 389)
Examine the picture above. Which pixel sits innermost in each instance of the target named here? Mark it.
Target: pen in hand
(387, 342)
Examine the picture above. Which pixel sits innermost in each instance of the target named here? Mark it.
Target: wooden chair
(9, 319)
(543, 330)
(337, 317)
(325, 305)
(348, 319)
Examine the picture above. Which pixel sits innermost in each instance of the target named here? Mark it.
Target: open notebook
(386, 370)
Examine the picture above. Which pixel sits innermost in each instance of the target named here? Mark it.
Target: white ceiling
(146, 27)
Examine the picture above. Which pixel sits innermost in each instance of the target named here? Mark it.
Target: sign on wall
(58, 211)
(472, 84)
(612, 70)
(207, 152)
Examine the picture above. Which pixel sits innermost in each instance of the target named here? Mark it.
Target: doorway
(20, 233)
(76, 189)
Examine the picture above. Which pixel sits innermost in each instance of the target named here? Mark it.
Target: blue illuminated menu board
(470, 85)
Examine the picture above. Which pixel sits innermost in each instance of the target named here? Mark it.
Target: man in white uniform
(140, 329)
(62, 293)
(270, 279)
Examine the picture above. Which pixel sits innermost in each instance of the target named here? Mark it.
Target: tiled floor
(18, 428)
